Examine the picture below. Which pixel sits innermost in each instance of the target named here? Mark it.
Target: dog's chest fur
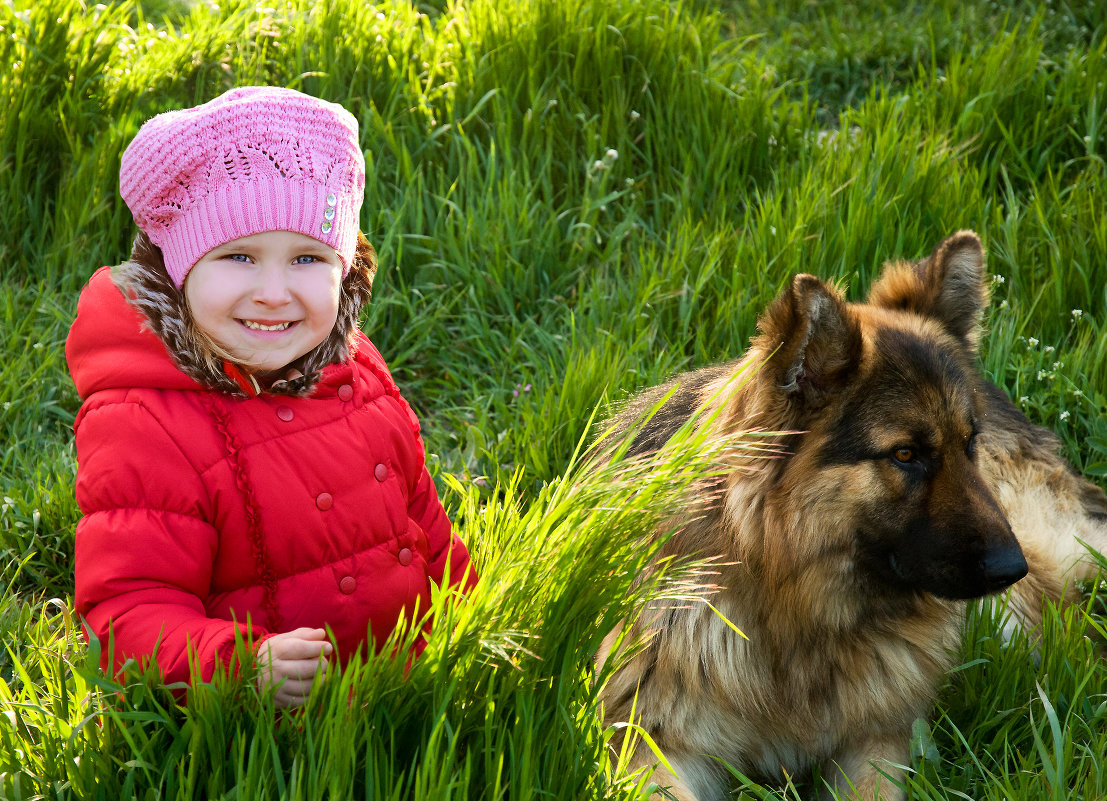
(786, 698)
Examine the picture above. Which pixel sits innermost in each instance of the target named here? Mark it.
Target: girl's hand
(290, 661)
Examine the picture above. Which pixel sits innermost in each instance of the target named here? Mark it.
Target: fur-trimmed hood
(111, 346)
(143, 283)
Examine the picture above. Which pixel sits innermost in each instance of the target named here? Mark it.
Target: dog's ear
(948, 286)
(813, 341)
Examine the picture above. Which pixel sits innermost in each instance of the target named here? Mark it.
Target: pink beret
(254, 159)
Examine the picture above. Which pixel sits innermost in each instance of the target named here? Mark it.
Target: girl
(246, 463)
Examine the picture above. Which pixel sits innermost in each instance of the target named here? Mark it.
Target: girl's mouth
(256, 326)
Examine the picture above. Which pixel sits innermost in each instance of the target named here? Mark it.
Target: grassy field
(570, 199)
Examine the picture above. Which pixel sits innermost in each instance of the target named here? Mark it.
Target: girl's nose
(272, 288)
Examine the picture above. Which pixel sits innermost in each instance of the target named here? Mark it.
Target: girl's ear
(948, 286)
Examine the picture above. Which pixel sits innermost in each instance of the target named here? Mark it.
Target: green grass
(570, 200)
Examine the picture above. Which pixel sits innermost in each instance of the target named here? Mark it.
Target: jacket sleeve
(144, 550)
(445, 546)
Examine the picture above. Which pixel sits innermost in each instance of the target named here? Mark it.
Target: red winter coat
(202, 508)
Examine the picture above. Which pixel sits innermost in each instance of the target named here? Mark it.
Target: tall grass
(570, 200)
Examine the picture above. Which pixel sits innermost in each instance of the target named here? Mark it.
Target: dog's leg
(693, 778)
(1051, 537)
(868, 770)
(1052, 511)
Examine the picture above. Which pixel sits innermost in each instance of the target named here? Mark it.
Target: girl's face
(268, 298)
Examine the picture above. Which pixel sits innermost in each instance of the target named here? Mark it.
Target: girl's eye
(304, 260)
(904, 455)
(242, 258)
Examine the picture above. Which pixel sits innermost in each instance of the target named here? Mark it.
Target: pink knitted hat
(254, 159)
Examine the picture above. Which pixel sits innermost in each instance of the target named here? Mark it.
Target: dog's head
(891, 402)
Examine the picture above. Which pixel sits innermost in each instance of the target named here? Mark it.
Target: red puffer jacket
(202, 508)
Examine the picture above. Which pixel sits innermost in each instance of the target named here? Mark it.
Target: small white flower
(634, 115)
(1064, 415)
(772, 230)
(1042, 374)
(1048, 350)
(1078, 393)
(1003, 303)
(1032, 342)
(611, 154)
(1024, 400)
(1058, 365)
(598, 165)
(1077, 314)
(998, 279)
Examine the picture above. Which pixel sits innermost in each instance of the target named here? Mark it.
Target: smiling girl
(247, 466)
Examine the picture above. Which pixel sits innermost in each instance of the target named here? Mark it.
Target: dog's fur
(909, 488)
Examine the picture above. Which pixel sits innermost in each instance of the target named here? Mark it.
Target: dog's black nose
(1002, 567)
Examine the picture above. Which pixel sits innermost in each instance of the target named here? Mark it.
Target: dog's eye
(904, 455)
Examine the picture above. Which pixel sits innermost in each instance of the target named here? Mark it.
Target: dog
(910, 486)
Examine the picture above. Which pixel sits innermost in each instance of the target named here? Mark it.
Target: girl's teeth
(259, 327)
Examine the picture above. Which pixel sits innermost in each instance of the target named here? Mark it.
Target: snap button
(380, 472)
(347, 585)
(324, 501)
(284, 413)
(345, 392)
(404, 556)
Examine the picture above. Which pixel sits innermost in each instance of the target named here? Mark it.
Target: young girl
(246, 463)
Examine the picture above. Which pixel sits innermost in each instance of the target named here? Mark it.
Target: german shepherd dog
(912, 485)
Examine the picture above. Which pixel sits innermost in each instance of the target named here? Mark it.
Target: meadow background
(570, 199)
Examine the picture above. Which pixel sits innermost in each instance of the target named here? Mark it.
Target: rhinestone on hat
(328, 213)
